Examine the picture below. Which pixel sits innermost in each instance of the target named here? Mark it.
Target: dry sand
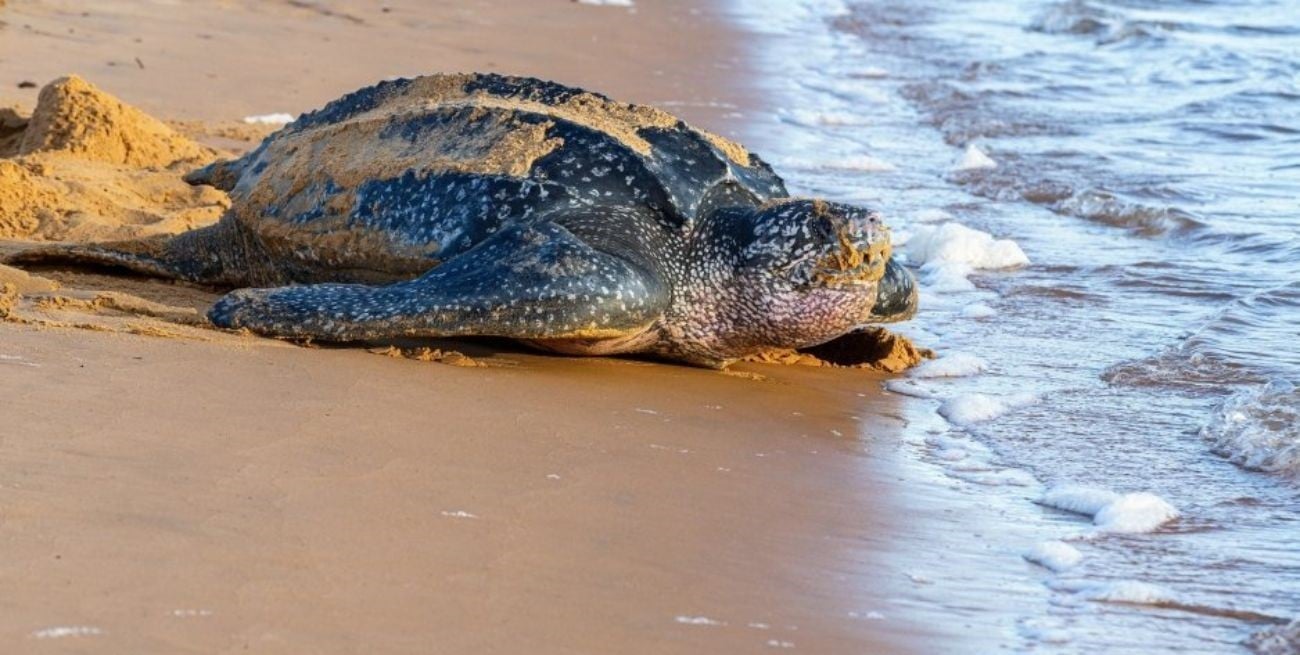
(171, 488)
(86, 166)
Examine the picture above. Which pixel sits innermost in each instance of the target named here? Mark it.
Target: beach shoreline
(221, 493)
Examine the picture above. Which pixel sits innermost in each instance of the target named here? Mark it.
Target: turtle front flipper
(532, 282)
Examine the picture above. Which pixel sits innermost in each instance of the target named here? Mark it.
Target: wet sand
(209, 492)
(187, 496)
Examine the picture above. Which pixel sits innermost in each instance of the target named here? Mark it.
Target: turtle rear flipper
(209, 255)
(536, 282)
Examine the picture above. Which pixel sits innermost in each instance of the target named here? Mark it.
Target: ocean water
(1102, 201)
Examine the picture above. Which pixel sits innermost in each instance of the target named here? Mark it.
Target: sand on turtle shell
(85, 166)
(624, 121)
(491, 137)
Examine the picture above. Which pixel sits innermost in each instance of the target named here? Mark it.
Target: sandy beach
(193, 497)
(170, 488)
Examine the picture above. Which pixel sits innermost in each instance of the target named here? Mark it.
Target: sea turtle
(481, 204)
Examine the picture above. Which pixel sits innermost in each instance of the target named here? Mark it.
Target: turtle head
(797, 273)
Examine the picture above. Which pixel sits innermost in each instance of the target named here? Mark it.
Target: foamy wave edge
(1258, 428)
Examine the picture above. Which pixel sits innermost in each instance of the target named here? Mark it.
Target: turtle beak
(896, 297)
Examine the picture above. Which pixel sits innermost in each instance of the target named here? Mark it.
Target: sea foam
(854, 91)
(998, 478)
(1054, 555)
(865, 163)
(954, 242)
(859, 163)
(950, 252)
(1132, 513)
(1135, 513)
(952, 365)
(977, 407)
(1128, 591)
(974, 159)
(824, 118)
(947, 276)
(978, 310)
(909, 388)
(1078, 498)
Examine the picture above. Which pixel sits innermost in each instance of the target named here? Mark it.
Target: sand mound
(73, 116)
(85, 166)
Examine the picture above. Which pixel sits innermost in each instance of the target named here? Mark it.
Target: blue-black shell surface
(397, 177)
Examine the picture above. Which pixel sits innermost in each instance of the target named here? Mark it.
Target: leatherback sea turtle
(479, 204)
